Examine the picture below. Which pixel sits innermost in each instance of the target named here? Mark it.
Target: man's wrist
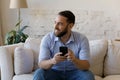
(74, 60)
(53, 61)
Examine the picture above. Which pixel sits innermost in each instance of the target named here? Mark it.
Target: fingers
(58, 54)
(59, 58)
(70, 55)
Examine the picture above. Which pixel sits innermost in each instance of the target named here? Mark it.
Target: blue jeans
(41, 74)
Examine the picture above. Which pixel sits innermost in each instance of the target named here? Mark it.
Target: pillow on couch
(34, 45)
(23, 60)
(98, 49)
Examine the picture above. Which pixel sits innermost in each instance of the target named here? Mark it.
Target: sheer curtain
(0, 27)
(0, 33)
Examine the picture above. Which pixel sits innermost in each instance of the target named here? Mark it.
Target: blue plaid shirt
(50, 44)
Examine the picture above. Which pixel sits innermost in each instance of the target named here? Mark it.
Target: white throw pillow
(23, 60)
(34, 45)
(98, 49)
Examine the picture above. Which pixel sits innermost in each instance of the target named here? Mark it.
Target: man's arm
(47, 64)
(81, 64)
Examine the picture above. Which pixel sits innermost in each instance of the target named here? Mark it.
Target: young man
(74, 65)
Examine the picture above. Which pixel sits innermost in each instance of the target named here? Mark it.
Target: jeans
(41, 74)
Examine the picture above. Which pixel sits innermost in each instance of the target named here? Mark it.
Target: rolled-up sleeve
(84, 53)
(44, 52)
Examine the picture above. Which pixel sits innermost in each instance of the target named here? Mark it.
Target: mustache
(57, 29)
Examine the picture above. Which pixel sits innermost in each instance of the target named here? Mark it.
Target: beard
(64, 32)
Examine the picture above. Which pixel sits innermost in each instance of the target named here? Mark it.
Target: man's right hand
(57, 58)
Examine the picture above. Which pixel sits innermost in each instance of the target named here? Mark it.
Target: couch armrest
(6, 61)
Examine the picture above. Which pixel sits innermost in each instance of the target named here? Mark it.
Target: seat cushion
(112, 77)
(98, 49)
(112, 60)
(23, 77)
(98, 77)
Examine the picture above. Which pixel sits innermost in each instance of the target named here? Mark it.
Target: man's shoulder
(78, 35)
(48, 36)
(80, 38)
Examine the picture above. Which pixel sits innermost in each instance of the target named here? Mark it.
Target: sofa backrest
(112, 60)
(98, 50)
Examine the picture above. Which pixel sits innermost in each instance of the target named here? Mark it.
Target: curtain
(1, 42)
(0, 33)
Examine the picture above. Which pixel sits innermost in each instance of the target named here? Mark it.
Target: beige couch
(18, 61)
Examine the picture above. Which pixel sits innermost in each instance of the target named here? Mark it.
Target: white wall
(95, 18)
(76, 4)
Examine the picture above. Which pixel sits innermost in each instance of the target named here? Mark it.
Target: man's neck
(65, 38)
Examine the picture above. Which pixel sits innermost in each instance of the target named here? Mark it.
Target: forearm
(46, 64)
(81, 64)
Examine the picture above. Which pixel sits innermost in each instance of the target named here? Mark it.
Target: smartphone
(64, 50)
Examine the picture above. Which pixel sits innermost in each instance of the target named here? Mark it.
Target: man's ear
(71, 25)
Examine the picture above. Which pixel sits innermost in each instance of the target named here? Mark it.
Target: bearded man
(74, 64)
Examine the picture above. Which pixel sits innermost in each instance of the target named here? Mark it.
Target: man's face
(61, 26)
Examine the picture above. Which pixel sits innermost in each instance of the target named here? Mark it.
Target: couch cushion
(112, 77)
(23, 60)
(98, 49)
(112, 60)
(6, 60)
(23, 77)
(34, 45)
(98, 77)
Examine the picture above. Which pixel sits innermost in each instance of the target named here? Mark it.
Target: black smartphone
(64, 50)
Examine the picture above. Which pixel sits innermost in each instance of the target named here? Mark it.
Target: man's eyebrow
(58, 22)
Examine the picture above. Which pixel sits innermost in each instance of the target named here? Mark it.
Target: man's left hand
(70, 55)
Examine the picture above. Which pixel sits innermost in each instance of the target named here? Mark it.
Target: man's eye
(60, 24)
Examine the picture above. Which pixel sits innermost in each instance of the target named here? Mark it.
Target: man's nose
(56, 25)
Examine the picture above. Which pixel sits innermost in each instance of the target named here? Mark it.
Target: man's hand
(81, 64)
(70, 55)
(57, 58)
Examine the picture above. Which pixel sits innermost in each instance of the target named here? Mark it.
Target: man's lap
(66, 75)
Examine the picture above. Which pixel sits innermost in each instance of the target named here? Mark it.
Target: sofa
(19, 61)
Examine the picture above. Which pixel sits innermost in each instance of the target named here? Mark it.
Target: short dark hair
(69, 15)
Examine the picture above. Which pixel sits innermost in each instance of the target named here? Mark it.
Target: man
(74, 65)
